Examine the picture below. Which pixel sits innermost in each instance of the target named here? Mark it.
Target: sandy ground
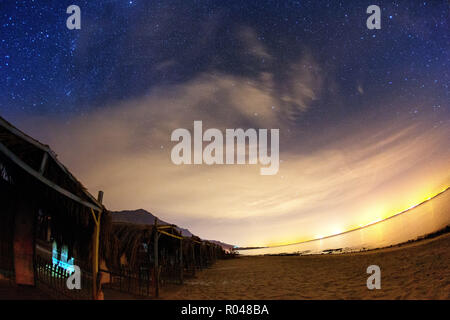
(9, 291)
(419, 270)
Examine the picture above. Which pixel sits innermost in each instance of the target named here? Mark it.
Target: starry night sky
(311, 68)
(47, 68)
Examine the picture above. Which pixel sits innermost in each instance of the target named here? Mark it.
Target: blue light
(63, 263)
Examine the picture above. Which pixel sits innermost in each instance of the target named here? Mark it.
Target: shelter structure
(48, 220)
(50, 223)
(147, 257)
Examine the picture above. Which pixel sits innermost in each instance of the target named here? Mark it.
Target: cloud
(124, 150)
(360, 89)
(252, 44)
(303, 86)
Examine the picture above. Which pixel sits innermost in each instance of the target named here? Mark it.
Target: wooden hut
(141, 258)
(49, 221)
(45, 208)
(145, 257)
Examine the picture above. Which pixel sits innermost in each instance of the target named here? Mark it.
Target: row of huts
(50, 223)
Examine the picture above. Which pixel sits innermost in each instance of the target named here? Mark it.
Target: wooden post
(149, 267)
(43, 163)
(95, 247)
(100, 197)
(193, 258)
(156, 266)
(181, 261)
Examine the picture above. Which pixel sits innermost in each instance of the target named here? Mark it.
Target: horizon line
(351, 230)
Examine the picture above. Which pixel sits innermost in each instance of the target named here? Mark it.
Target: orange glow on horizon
(361, 226)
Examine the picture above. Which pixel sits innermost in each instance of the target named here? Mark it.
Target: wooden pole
(100, 197)
(193, 258)
(43, 163)
(44, 180)
(95, 238)
(156, 267)
(181, 261)
(95, 248)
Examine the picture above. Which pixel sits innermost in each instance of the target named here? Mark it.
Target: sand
(418, 270)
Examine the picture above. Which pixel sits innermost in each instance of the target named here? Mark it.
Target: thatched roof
(37, 177)
(127, 239)
(31, 152)
(32, 173)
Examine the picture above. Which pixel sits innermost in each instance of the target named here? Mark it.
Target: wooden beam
(22, 135)
(43, 147)
(95, 249)
(156, 266)
(43, 163)
(170, 235)
(192, 240)
(181, 261)
(100, 197)
(44, 180)
(165, 227)
(193, 258)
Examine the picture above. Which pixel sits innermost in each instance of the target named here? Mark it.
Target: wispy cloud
(125, 151)
(252, 45)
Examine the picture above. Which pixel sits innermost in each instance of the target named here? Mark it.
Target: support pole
(193, 258)
(181, 261)
(43, 163)
(95, 260)
(95, 248)
(156, 266)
